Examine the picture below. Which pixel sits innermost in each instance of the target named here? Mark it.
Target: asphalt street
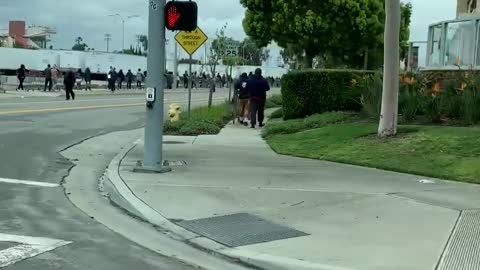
(32, 133)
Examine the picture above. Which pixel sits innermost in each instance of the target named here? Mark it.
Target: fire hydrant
(174, 112)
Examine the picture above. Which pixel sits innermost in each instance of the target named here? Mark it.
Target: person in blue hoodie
(257, 88)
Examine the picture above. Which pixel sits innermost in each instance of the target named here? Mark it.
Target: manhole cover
(240, 229)
(463, 248)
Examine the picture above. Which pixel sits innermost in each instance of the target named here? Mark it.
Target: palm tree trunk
(389, 114)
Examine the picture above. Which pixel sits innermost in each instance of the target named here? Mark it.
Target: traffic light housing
(181, 15)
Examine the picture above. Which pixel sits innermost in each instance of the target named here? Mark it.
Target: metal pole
(175, 66)
(410, 57)
(190, 80)
(123, 35)
(153, 159)
(230, 85)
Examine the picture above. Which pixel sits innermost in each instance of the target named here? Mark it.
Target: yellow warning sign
(191, 41)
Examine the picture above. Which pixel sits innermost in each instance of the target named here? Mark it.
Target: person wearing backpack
(242, 94)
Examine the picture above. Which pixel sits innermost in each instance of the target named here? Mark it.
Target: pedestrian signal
(181, 15)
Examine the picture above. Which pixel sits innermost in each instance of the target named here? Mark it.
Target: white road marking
(28, 183)
(28, 247)
(76, 101)
(427, 181)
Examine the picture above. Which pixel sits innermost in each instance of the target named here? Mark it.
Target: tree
(388, 117)
(144, 40)
(341, 33)
(217, 51)
(314, 26)
(79, 45)
(406, 19)
(293, 56)
(251, 54)
(79, 40)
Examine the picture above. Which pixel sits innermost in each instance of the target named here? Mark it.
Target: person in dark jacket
(48, 79)
(21, 75)
(113, 78)
(120, 79)
(69, 82)
(88, 79)
(257, 88)
(129, 79)
(242, 95)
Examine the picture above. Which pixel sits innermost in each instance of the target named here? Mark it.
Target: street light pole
(108, 37)
(123, 25)
(123, 35)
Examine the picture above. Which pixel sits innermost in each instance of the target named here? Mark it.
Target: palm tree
(389, 115)
(79, 40)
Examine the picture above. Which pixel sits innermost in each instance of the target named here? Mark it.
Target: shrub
(411, 99)
(276, 99)
(173, 128)
(285, 127)
(194, 128)
(277, 114)
(470, 112)
(371, 88)
(317, 91)
(324, 119)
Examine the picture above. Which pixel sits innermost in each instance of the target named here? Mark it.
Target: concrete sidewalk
(344, 217)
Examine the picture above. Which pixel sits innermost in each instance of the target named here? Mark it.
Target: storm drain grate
(240, 229)
(463, 248)
(174, 163)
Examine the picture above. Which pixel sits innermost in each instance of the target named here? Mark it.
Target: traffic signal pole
(153, 146)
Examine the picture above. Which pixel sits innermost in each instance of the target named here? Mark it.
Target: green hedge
(316, 91)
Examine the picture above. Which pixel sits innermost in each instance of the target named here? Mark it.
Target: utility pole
(175, 66)
(190, 82)
(108, 38)
(389, 114)
(153, 146)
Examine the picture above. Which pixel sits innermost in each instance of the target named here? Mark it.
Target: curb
(138, 208)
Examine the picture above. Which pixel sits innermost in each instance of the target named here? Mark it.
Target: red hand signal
(172, 16)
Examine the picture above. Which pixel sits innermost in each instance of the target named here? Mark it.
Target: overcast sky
(89, 18)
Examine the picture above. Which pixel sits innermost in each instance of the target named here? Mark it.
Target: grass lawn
(451, 153)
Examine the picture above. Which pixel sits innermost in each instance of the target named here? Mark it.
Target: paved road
(32, 132)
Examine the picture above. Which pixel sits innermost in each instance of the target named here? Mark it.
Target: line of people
(251, 93)
(116, 79)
